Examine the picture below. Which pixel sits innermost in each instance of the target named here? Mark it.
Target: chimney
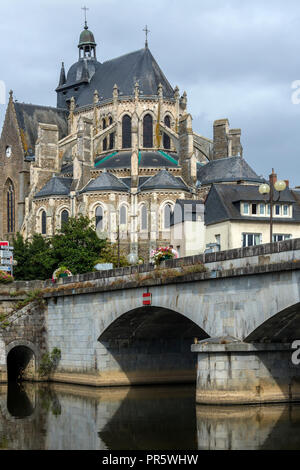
(221, 129)
(273, 177)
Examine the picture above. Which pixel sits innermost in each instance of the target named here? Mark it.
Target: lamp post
(265, 188)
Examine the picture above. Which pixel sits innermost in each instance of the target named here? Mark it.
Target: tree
(77, 245)
(35, 258)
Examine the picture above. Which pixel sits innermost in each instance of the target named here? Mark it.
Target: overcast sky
(235, 59)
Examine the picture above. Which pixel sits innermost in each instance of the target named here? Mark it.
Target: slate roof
(147, 159)
(164, 180)
(56, 186)
(226, 170)
(223, 203)
(29, 115)
(106, 182)
(139, 66)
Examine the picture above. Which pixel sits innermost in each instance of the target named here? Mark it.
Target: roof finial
(85, 10)
(146, 32)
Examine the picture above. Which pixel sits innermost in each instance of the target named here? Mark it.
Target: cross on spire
(85, 10)
(146, 32)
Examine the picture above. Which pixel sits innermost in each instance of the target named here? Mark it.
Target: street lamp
(265, 188)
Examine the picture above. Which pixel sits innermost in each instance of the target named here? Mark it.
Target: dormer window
(246, 208)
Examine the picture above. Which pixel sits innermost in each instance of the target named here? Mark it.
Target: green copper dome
(86, 37)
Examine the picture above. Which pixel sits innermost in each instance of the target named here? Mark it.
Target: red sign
(4, 243)
(147, 298)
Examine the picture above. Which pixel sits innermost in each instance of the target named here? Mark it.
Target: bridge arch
(283, 327)
(21, 358)
(150, 344)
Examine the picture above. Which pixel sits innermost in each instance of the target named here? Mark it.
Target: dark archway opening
(151, 345)
(20, 363)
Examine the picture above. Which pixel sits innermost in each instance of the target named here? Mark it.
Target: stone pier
(241, 373)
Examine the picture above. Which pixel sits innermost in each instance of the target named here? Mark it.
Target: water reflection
(39, 416)
(19, 404)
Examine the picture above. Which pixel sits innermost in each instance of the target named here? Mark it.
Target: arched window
(167, 216)
(123, 215)
(111, 140)
(10, 200)
(166, 139)
(144, 217)
(126, 132)
(99, 218)
(64, 217)
(105, 143)
(148, 131)
(111, 136)
(44, 222)
(103, 123)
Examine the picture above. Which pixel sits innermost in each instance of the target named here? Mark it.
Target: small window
(44, 222)
(123, 215)
(285, 210)
(254, 209)
(99, 218)
(251, 239)
(277, 209)
(64, 217)
(278, 237)
(268, 209)
(262, 209)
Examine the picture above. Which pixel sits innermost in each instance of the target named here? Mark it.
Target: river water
(67, 417)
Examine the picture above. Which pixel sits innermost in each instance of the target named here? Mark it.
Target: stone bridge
(241, 313)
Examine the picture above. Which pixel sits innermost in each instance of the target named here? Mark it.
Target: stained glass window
(10, 207)
(123, 215)
(64, 217)
(166, 138)
(144, 217)
(126, 132)
(148, 131)
(167, 216)
(99, 218)
(44, 222)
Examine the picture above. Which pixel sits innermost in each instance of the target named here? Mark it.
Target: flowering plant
(161, 254)
(5, 278)
(62, 271)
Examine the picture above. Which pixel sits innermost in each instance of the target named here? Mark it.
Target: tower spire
(85, 22)
(62, 78)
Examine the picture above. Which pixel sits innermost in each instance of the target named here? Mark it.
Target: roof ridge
(40, 106)
(124, 55)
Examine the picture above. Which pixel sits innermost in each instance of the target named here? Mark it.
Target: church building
(119, 147)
